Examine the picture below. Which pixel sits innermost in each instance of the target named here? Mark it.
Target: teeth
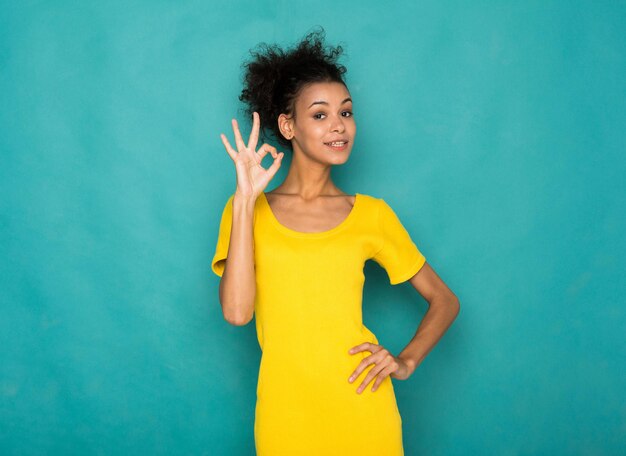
(340, 143)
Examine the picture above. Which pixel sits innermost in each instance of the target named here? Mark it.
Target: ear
(285, 125)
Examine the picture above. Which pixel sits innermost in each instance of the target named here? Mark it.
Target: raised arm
(237, 288)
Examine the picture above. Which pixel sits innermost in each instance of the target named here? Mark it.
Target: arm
(237, 286)
(399, 255)
(443, 307)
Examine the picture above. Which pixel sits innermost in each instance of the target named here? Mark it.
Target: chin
(338, 158)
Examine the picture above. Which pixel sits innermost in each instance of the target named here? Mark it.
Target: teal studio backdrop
(496, 130)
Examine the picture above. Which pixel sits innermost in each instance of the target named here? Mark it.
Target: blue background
(496, 130)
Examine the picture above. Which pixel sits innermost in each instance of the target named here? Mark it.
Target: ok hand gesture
(252, 178)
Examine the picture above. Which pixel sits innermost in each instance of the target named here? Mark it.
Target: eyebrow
(324, 102)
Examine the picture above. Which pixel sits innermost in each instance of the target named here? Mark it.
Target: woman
(294, 258)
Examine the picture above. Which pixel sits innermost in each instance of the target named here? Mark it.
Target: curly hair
(274, 78)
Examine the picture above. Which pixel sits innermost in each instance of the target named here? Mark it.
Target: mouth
(337, 145)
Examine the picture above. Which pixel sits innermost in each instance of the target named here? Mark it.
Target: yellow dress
(308, 315)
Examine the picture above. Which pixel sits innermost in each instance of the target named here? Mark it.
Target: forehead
(331, 92)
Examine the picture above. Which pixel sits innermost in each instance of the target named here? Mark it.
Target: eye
(349, 114)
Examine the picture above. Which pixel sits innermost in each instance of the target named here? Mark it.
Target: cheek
(315, 132)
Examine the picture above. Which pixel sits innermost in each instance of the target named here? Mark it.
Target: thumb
(276, 164)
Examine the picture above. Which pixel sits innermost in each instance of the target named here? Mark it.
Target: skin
(237, 288)
(308, 201)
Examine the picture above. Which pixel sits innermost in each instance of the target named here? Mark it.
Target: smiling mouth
(337, 144)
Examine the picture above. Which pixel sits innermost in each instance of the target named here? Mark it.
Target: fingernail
(351, 378)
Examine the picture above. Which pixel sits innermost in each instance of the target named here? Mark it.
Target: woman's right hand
(252, 178)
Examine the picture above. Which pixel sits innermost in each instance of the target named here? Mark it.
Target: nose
(337, 125)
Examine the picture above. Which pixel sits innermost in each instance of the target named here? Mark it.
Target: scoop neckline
(317, 234)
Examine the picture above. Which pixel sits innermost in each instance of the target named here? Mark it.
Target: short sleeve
(397, 253)
(223, 238)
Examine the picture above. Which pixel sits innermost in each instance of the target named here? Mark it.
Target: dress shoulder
(397, 252)
(223, 237)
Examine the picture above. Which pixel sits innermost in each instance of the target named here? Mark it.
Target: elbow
(233, 312)
(448, 302)
(238, 321)
(237, 318)
(456, 305)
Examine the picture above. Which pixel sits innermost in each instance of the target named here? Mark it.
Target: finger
(360, 347)
(361, 367)
(368, 378)
(365, 346)
(274, 167)
(373, 372)
(379, 358)
(232, 152)
(264, 149)
(238, 139)
(382, 375)
(254, 134)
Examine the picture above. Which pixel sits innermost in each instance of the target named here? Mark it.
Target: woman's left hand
(385, 364)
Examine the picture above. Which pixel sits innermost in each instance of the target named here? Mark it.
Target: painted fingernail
(351, 379)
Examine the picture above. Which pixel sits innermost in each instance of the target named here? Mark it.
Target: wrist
(410, 363)
(244, 201)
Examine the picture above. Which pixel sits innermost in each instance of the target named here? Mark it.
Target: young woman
(294, 259)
